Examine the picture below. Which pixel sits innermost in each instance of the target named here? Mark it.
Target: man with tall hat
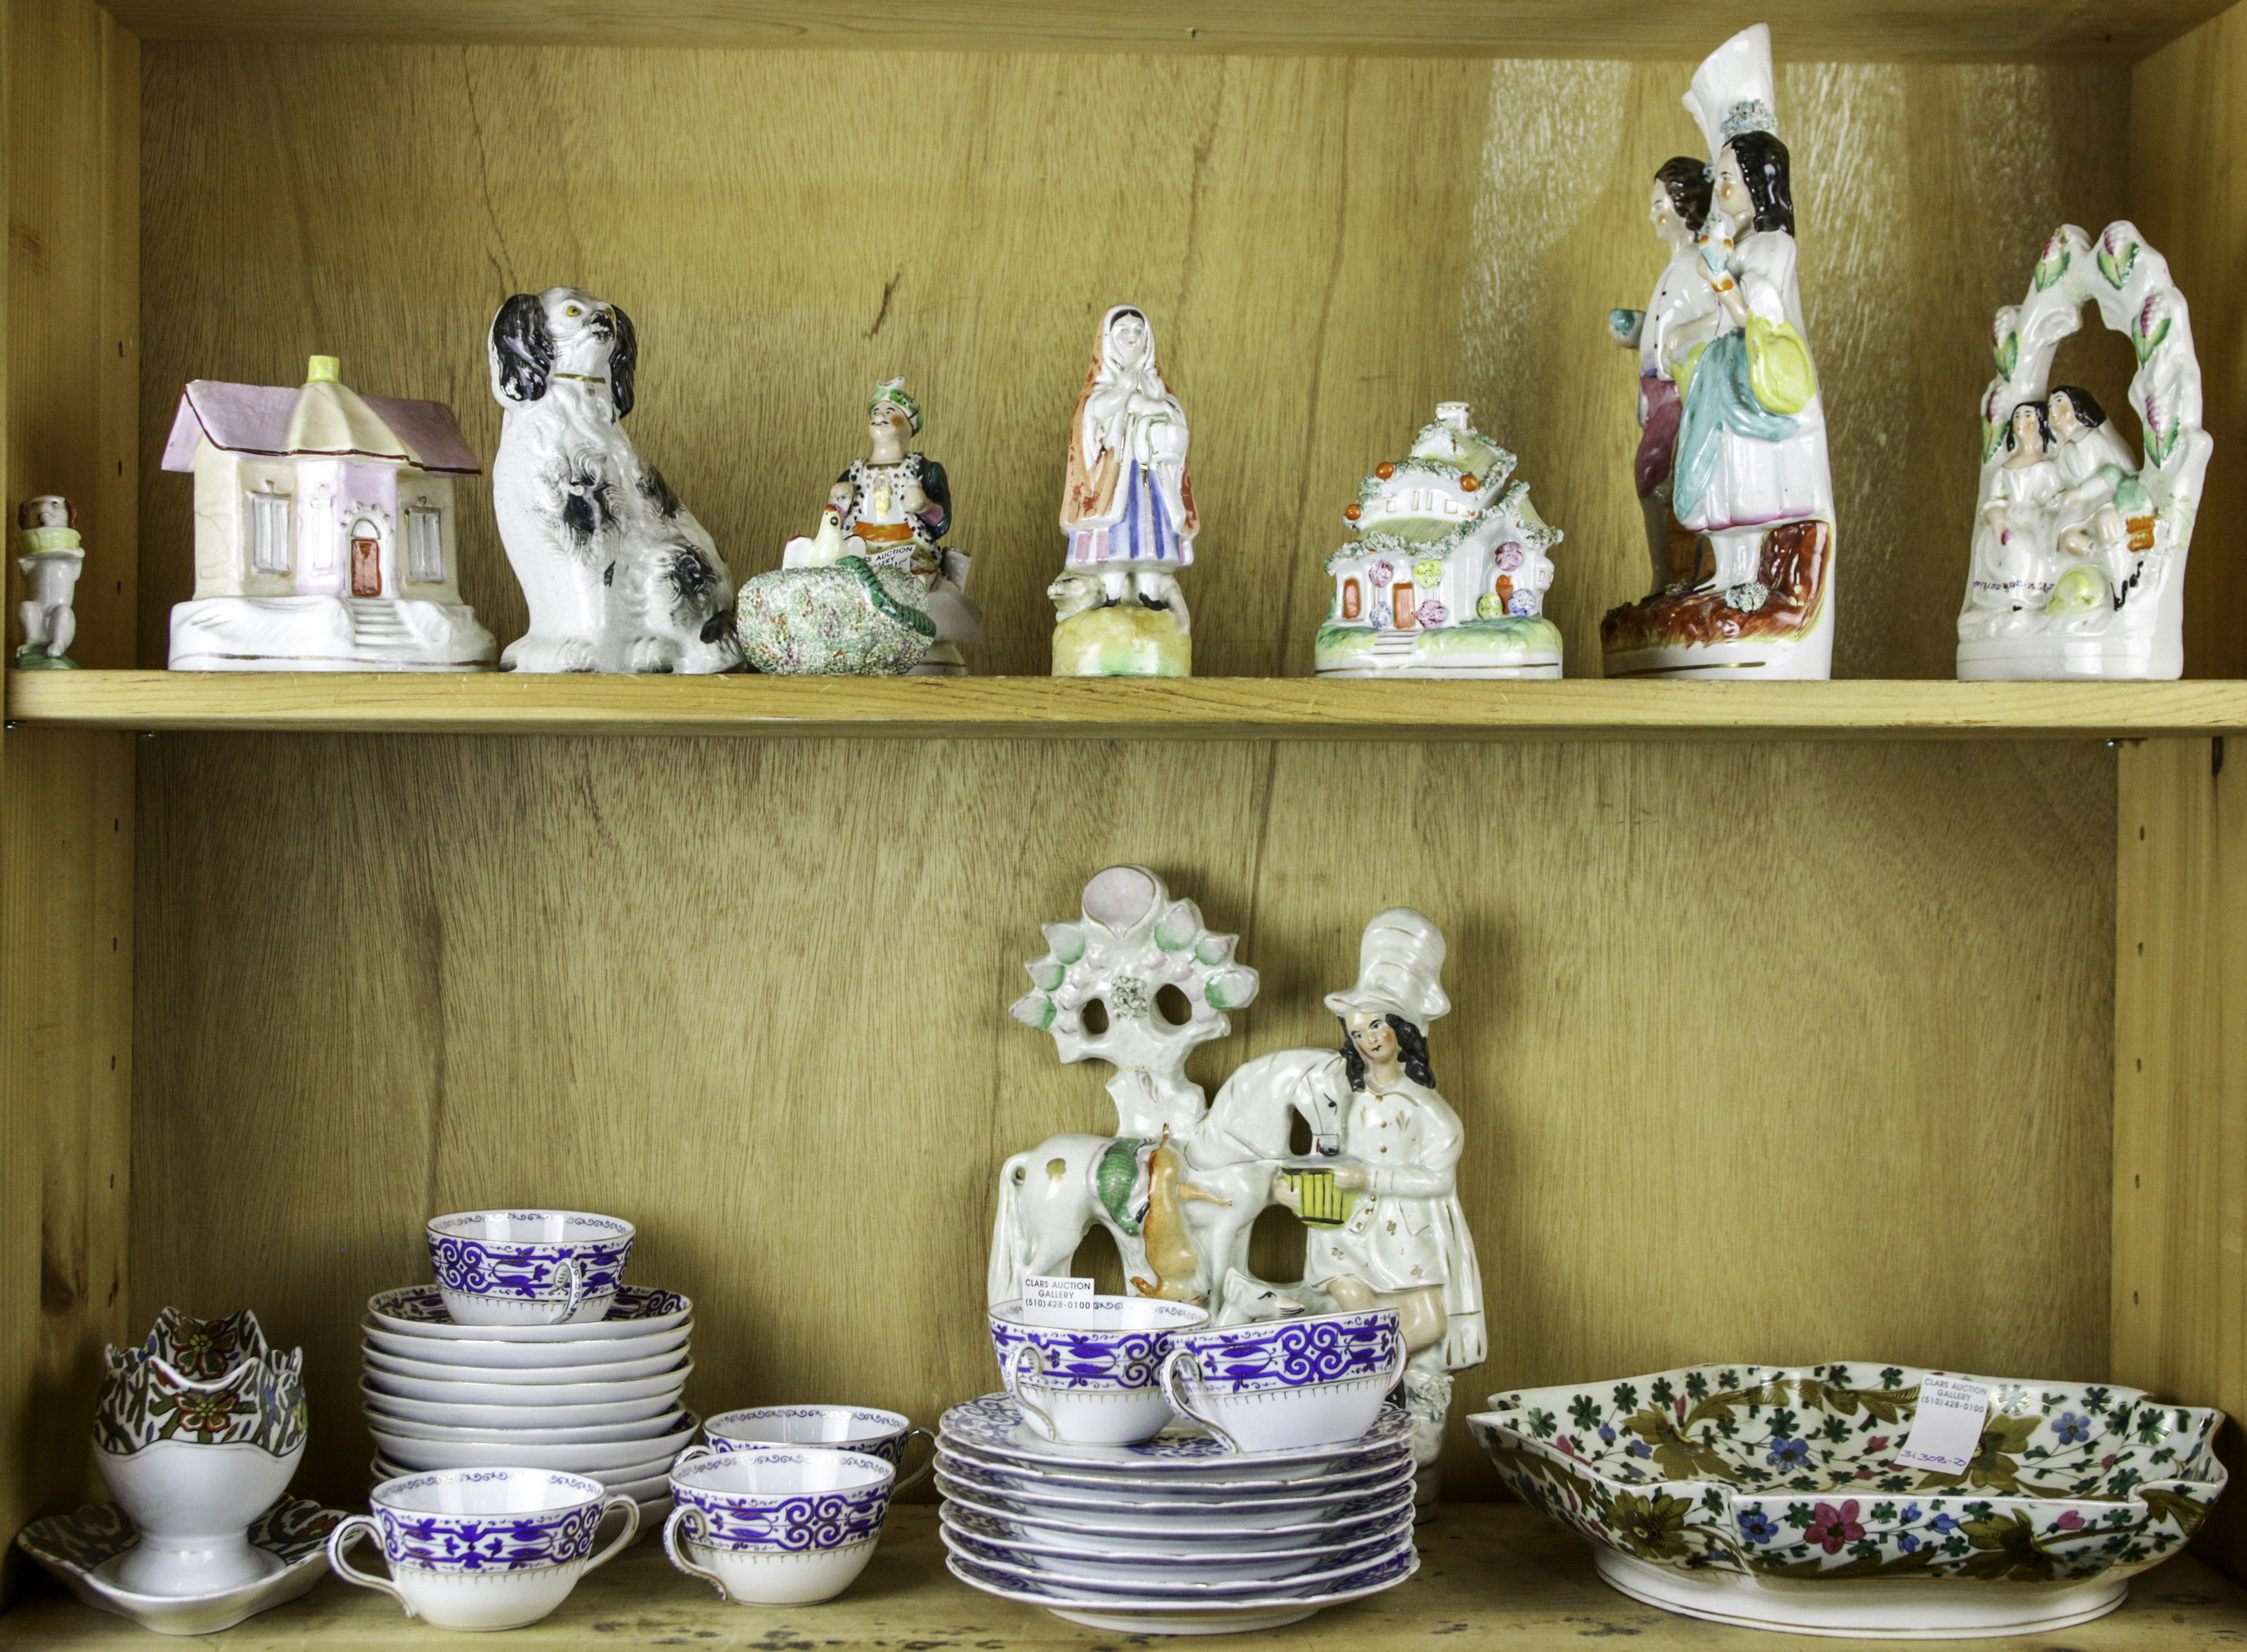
(1404, 1242)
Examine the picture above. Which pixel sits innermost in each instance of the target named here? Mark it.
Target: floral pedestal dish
(85, 1549)
(1770, 1496)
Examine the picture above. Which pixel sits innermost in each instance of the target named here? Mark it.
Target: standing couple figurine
(1733, 449)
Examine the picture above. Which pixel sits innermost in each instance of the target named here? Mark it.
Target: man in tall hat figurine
(1402, 1242)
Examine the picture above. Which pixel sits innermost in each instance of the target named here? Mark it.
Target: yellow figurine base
(1127, 641)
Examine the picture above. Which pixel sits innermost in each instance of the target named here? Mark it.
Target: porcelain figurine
(197, 1431)
(617, 575)
(52, 560)
(1448, 576)
(1748, 472)
(1678, 209)
(325, 537)
(873, 593)
(2078, 549)
(1385, 1151)
(1128, 511)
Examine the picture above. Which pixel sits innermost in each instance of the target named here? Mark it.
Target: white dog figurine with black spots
(617, 575)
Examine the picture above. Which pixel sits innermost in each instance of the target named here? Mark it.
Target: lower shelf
(1486, 1569)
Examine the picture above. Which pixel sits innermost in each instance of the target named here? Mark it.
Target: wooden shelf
(1487, 1569)
(1811, 31)
(1048, 708)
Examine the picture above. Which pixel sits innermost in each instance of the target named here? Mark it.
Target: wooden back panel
(1751, 1042)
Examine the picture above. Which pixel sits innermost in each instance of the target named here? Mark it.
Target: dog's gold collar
(583, 378)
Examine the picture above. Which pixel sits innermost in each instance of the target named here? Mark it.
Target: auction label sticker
(1948, 1428)
(1044, 1293)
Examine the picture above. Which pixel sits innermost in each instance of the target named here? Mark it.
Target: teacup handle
(577, 1289)
(926, 1468)
(694, 1453)
(624, 1539)
(680, 1517)
(353, 1528)
(1010, 1373)
(1181, 1360)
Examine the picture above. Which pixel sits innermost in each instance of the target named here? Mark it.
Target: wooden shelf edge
(1049, 708)
(1489, 1568)
(1905, 32)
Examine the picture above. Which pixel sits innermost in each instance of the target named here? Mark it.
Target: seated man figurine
(874, 592)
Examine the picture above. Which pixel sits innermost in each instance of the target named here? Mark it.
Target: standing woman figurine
(1678, 208)
(1129, 512)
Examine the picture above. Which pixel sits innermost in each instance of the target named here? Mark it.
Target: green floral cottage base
(1789, 1473)
(1518, 640)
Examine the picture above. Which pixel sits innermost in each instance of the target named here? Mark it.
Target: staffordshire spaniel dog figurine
(617, 573)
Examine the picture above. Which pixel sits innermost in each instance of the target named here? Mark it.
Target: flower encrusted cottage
(1448, 575)
(324, 530)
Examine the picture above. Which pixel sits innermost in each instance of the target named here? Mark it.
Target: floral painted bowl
(1769, 1496)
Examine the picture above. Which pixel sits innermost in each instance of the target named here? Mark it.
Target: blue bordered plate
(419, 1310)
(1103, 1611)
(1176, 1583)
(992, 1427)
(1359, 1471)
(1253, 1508)
(1165, 1535)
(1216, 1559)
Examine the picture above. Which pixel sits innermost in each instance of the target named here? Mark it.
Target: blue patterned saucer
(1141, 1615)
(992, 1427)
(1348, 1502)
(1176, 1536)
(1348, 1474)
(419, 1310)
(1177, 1583)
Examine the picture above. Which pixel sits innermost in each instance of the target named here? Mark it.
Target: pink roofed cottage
(324, 535)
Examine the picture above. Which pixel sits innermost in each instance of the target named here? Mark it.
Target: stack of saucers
(1176, 1534)
(599, 1400)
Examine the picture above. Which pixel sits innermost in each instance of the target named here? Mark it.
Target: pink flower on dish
(1878, 1443)
(1831, 1528)
(2070, 1521)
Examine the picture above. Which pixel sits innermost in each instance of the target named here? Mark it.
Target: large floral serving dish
(1770, 1496)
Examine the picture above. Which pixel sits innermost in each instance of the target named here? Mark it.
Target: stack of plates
(1177, 1535)
(600, 1400)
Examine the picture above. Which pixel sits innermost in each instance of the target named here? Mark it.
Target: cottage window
(268, 533)
(425, 545)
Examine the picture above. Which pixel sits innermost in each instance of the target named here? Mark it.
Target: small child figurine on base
(1128, 513)
(50, 561)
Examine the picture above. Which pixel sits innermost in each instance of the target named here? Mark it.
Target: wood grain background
(1327, 246)
(1752, 1041)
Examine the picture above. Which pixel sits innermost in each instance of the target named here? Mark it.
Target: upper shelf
(1068, 708)
(1810, 31)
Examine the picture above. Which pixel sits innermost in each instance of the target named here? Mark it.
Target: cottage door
(1407, 611)
(366, 560)
(1353, 604)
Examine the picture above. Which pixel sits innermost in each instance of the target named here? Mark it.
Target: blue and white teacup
(1276, 1385)
(1090, 1373)
(777, 1527)
(483, 1548)
(528, 1267)
(845, 1427)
